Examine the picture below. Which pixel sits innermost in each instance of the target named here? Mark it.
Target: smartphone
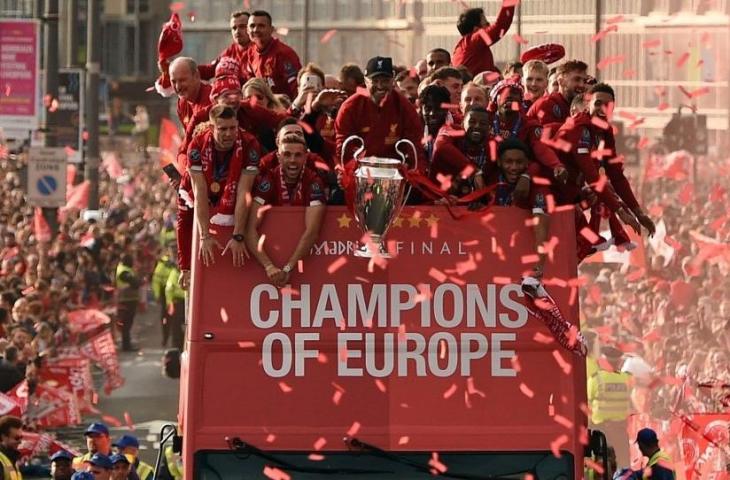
(172, 173)
(310, 80)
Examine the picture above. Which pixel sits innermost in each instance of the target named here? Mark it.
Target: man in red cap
(270, 58)
(193, 97)
(553, 110)
(289, 183)
(238, 50)
(381, 116)
(223, 162)
(477, 36)
(508, 121)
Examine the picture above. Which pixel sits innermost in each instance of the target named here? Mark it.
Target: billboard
(19, 74)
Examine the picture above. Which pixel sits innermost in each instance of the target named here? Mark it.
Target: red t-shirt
(553, 108)
(536, 200)
(278, 64)
(528, 131)
(380, 126)
(580, 134)
(270, 189)
(473, 50)
(234, 50)
(452, 155)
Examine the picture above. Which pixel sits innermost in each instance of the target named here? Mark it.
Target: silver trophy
(379, 194)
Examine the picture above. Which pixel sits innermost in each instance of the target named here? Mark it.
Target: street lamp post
(93, 68)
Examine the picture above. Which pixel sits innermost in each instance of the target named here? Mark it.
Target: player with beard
(593, 146)
(508, 121)
(380, 115)
(292, 184)
(586, 132)
(238, 49)
(270, 58)
(554, 109)
(432, 103)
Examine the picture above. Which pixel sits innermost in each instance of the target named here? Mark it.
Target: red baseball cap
(547, 52)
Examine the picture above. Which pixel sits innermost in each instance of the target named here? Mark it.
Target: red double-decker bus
(428, 364)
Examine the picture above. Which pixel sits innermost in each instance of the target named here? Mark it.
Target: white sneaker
(533, 287)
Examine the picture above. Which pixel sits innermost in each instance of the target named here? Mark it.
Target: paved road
(148, 398)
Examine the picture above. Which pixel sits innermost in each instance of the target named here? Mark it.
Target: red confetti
(518, 38)
(224, 315)
(285, 387)
(246, 344)
(354, 428)
(561, 420)
(436, 464)
(7, 90)
(381, 386)
(177, 6)
(567, 367)
(275, 474)
(336, 265)
(526, 391)
(315, 457)
(328, 36)
(605, 62)
(128, 419)
(651, 43)
(450, 391)
(403, 440)
(682, 59)
(320, 443)
(542, 338)
(557, 443)
(589, 235)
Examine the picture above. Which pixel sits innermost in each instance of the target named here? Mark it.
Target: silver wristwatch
(287, 268)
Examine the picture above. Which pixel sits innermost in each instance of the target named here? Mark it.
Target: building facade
(658, 54)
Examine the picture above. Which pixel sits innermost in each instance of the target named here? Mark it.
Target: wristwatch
(287, 268)
(237, 237)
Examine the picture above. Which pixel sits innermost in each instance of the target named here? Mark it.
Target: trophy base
(364, 252)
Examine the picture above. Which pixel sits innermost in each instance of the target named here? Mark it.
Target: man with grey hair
(193, 97)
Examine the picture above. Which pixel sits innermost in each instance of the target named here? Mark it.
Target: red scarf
(297, 197)
(227, 202)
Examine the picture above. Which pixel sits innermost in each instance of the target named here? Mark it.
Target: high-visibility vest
(125, 292)
(609, 394)
(9, 470)
(159, 276)
(144, 471)
(173, 292)
(659, 456)
(173, 465)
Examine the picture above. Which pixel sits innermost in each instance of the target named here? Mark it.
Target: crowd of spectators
(42, 279)
(669, 315)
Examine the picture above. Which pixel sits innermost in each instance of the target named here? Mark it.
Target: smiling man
(11, 434)
(238, 49)
(380, 115)
(555, 108)
(290, 183)
(270, 58)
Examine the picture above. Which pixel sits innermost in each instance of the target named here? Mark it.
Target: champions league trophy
(379, 194)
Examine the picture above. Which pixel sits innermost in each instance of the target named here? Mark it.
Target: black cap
(379, 66)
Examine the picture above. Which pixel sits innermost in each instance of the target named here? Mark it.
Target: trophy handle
(403, 155)
(403, 158)
(359, 151)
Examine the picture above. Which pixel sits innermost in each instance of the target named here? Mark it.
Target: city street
(148, 398)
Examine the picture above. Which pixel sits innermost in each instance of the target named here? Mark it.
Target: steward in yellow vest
(659, 466)
(11, 434)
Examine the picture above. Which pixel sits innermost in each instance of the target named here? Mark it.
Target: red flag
(40, 227)
(110, 162)
(169, 141)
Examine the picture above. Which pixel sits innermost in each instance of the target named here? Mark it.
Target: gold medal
(215, 187)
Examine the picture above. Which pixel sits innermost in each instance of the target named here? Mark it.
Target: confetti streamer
(320, 443)
(354, 428)
(450, 391)
(336, 265)
(224, 315)
(243, 344)
(327, 36)
(526, 391)
(275, 474)
(404, 440)
(436, 464)
(285, 387)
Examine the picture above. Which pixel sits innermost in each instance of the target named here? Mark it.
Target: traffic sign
(47, 177)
